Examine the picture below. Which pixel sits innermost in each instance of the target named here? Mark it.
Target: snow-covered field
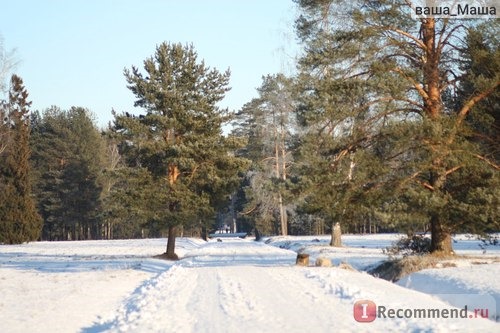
(234, 286)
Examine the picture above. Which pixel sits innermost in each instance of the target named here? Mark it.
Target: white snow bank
(33, 301)
(65, 286)
(477, 285)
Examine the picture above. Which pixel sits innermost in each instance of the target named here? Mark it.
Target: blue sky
(73, 52)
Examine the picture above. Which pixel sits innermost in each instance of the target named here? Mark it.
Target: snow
(478, 284)
(230, 286)
(361, 252)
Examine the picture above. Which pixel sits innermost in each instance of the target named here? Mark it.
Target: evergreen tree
(479, 185)
(68, 159)
(19, 220)
(120, 215)
(481, 64)
(374, 82)
(178, 143)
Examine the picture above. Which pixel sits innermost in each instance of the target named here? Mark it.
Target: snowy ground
(230, 286)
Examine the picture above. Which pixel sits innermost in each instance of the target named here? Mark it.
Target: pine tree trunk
(440, 233)
(171, 244)
(440, 238)
(258, 236)
(173, 174)
(433, 107)
(336, 240)
(283, 216)
(204, 232)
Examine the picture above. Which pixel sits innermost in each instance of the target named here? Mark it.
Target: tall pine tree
(189, 170)
(68, 158)
(19, 220)
(374, 85)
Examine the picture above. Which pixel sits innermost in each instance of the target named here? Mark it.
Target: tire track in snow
(292, 303)
(234, 298)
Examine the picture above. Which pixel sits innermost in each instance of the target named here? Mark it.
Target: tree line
(389, 123)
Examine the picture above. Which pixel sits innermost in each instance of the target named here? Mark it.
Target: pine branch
(489, 162)
(473, 101)
(414, 83)
(464, 111)
(452, 170)
(417, 41)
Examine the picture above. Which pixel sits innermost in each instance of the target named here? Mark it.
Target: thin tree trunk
(279, 174)
(284, 215)
(283, 219)
(204, 232)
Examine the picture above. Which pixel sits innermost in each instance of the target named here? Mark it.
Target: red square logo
(365, 311)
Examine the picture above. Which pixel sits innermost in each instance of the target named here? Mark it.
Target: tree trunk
(279, 174)
(433, 107)
(440, 238)
(171, 244)
(336, 236)
(258, 236)
(173, 174)
(432, 102)
(204, 232)
(283, 216)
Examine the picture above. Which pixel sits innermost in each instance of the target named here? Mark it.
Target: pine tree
(51, 153)
(479, 184)
(481, 63)
(179, 140)
(68, 159)
(374, 85)
(19, 220)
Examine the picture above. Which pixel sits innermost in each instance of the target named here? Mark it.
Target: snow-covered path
(232, 287)
(233, 299)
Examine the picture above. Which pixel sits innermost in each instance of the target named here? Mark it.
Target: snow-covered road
(236, 299)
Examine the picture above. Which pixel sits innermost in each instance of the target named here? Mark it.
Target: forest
(388, 124)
